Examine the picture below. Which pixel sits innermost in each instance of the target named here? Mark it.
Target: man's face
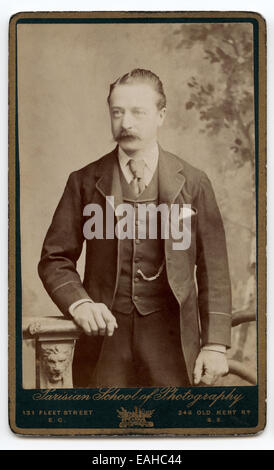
(135, 118)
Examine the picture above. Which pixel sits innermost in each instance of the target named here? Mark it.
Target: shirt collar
(150, 156)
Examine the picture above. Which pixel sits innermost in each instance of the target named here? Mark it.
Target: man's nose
(127, 122)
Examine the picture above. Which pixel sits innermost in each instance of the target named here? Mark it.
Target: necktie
(137, 169)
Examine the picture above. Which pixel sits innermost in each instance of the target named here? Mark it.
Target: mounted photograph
(137, 156)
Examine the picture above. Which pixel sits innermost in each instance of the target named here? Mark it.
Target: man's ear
(162, 115)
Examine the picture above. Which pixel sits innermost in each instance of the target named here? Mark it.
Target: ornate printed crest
(134, 418)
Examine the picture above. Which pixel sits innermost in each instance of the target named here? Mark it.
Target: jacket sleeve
(62, 248)
(213, 279)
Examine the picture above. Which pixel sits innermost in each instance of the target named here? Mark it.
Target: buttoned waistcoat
(198, 276)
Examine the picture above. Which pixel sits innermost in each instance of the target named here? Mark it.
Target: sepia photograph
(137, 218)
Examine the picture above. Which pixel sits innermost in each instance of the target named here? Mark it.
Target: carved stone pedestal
(48, 349)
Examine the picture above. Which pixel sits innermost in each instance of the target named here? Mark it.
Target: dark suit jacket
(198, 276)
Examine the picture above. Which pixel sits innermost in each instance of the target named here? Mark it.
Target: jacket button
(137, 241)
(135, 297)
(136, 279)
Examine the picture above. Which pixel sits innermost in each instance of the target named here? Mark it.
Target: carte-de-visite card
(137, 156)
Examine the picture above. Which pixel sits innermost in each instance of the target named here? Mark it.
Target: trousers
(144, 351)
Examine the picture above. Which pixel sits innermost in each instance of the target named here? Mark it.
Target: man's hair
(142, 76)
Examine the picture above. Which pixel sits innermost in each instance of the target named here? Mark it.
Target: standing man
(151, 315)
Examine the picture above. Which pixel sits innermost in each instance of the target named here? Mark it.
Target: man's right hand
(95, 319)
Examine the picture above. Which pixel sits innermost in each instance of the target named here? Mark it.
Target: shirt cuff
(214, 347)
(73, 306)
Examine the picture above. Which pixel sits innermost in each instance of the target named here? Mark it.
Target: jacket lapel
(171, 183)
(108, 183)
(171, 177)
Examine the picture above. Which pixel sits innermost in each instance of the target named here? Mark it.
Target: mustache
(126, 135)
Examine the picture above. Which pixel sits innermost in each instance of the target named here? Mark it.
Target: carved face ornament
(56, 360)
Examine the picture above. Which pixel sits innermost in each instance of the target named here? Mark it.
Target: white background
(8, 440)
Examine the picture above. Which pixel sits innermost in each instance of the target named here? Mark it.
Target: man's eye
(139, 112)
(116, 113)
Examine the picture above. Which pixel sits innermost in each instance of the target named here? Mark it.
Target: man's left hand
(209, 366)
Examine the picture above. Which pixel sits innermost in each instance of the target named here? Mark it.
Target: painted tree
(226, 102)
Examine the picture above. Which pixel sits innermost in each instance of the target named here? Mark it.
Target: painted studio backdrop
(64, 72)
